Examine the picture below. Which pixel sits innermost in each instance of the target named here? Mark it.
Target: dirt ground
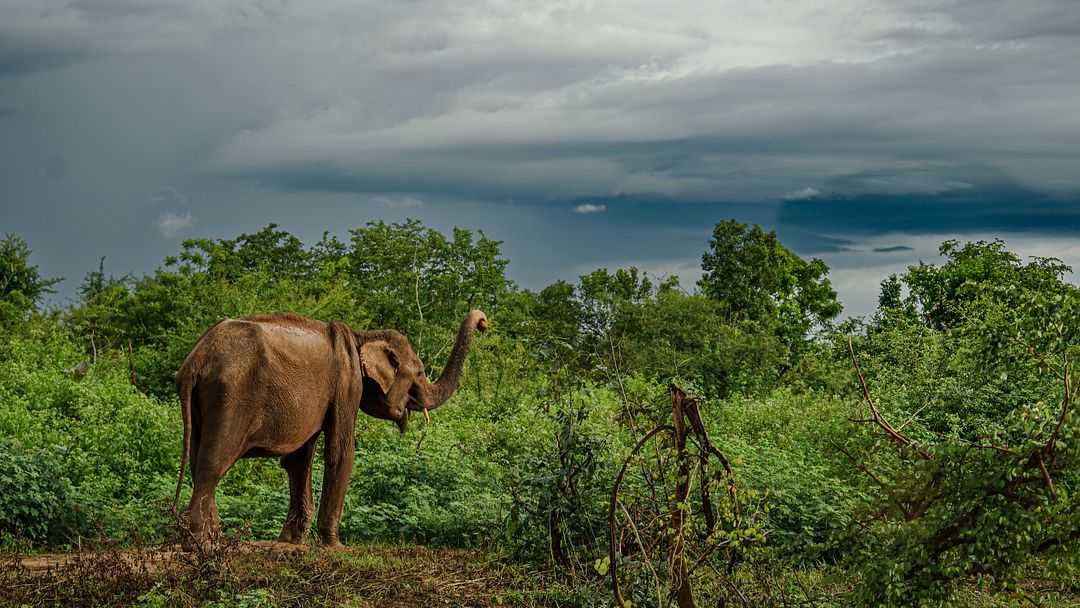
(264, 573)
(154, 557)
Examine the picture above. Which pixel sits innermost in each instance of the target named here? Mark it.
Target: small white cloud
(171, 225)
(397, 203)
(802, 195)
(589, 208)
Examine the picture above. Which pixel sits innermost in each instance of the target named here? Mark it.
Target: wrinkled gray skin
(267, 385)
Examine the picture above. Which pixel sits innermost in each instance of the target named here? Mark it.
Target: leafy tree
(756, 278)
(280, 254)
(97, 284)
(21, 287)
(686, 336)
(938, 293)
(557, 313)
(414, 278)
(103, 311)
(987, 506)
(610, 300)
(924, 348)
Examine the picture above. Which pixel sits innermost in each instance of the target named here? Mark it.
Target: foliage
(942, 295)
(782, 447)
(112, 445)
(35, 497)
(985, 508)
(402, 493)
(559, 510)
(969, 359)
(270, 251)
(416, 279)
(21, 287)
(615, 324)
(756, 278)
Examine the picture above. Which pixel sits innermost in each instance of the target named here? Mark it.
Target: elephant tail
(184, 387)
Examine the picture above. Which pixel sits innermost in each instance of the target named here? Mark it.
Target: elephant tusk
(426, 417)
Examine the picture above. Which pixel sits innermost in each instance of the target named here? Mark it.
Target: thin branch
(622, 388)
(912, 417)
(416, 292)
(644, 551)
(859, 464)
(614, 506)
(992, 446)
(731, 583)
(876, 416)
(1051, 444)
(1046, 478)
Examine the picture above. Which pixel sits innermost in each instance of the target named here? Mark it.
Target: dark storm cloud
(11, 64)
(748, 134)
(925, 197)
(879, 214)
(835, 121)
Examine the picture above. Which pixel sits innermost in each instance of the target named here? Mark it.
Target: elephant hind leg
(301, 503)
(214, 458)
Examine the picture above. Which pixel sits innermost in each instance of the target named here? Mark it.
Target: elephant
(267, 385)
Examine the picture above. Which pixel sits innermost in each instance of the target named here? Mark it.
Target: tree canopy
(921, 457)
(756, 278)
(943, 296)
(22, 288)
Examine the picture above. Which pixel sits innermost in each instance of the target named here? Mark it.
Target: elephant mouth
(413, 404)
(413, 400)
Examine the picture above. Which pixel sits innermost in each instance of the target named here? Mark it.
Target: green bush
(36, 501)
(115, 447)
(405, 489)
(785, 448)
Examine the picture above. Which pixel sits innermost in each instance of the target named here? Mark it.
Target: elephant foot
(330, 541)
(295, 529)
(292, 537)
(194, 539)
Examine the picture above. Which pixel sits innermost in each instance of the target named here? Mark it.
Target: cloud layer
(835, 118)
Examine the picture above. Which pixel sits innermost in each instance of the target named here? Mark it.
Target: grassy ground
(270, 574)
(266, 574)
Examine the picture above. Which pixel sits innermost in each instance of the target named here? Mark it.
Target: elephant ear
(379, 362)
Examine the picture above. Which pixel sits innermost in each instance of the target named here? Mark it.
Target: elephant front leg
(339, 454)
(301, 504)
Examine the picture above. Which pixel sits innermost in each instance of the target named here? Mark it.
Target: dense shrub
(968, 367)
(788, 450)
(115, 448)
(35, 497)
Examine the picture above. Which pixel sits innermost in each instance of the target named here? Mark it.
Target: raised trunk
(441, 390)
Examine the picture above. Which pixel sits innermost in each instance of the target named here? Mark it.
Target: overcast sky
(582, 134)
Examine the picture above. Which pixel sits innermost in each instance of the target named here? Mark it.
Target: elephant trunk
(440, 391)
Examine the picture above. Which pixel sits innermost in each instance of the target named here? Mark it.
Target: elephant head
(394, 377)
